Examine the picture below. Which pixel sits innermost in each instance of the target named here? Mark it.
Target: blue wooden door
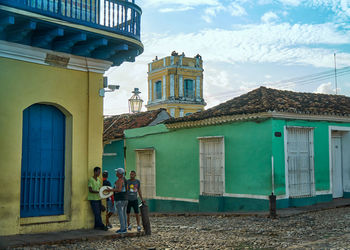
(43, 161)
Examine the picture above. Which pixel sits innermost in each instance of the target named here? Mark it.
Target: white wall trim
(37, 55)
(175, 199)
(322, 192)
(254, 196)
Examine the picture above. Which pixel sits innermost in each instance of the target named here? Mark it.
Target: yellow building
(175, 83)
(52, 61)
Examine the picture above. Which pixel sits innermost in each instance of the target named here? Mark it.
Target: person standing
(94, 185)
(121, 199)
(109, 200)
(134, 188)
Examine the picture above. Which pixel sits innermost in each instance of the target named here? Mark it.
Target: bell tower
(175, 83)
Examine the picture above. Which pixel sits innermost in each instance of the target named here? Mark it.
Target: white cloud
(165, 10)
(157, 3)
(291, 2)
(277, 44)
(211, 12)
(325, 88)
(269, 17)
(283, 43)
(236, 10)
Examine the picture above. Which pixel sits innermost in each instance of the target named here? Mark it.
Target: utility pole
(335, 75)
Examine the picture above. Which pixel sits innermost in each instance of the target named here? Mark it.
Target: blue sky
(244, 44)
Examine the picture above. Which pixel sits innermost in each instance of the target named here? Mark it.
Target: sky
(244, 44)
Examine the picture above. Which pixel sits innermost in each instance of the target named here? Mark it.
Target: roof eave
(257, 116)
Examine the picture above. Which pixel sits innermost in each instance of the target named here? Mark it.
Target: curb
(29, 242)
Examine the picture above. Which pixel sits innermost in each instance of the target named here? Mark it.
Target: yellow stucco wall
(76, 94)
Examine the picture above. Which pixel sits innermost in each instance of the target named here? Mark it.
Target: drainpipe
(272, 197)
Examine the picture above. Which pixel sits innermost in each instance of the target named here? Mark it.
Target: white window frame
(312, 161)
(201, 142)
(137, 151)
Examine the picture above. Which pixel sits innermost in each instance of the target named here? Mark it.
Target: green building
(113, 136)
(233, 156)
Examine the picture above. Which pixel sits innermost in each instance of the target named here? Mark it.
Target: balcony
(100, 29)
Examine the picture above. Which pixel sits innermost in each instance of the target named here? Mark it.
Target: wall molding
(37, 55)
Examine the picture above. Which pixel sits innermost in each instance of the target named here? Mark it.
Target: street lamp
(135, 102)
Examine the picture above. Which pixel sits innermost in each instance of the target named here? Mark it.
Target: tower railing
(117, 16)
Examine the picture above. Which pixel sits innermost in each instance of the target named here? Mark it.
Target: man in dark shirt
(110, 200)
(134, 188)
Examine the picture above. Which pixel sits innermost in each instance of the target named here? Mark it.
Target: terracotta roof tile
(265, 99)
(114, 126)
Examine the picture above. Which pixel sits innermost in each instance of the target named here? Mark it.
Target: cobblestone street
(319, 230)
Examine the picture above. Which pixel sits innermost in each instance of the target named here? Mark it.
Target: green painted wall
(110, 163)
(247, 157)
(321, 152)
(249, 147)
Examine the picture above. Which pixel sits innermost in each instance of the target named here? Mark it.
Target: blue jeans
(121, 207)
(96, 209)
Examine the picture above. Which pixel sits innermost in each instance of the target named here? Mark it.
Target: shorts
(133, 204)
(110, 207)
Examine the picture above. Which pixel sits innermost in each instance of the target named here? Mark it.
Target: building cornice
(258, 116)
(176, 102)
(39, 56)
(176, 67)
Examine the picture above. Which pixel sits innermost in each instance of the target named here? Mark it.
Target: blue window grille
(43, 161)
(188, 86)
(158, 88)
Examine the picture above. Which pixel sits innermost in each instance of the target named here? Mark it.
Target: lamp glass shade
(135, 104)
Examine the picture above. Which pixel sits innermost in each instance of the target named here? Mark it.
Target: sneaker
(109, 225)
(121, 231)
(138, 229)
(129, 227)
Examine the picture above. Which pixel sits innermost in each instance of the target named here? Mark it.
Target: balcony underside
(49, 33)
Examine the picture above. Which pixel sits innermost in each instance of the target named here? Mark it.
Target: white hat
(104, 194)
(120, 171)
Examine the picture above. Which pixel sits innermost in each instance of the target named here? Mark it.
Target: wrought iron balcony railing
(117, 16)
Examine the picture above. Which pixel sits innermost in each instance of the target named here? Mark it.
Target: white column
(181, 86)
(155, 91)
(172, 89)
(164, 61)
(164, 88)
(198, 88)
(150, 90)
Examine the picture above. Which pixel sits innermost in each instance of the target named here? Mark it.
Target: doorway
(145, 167)
(337, 165)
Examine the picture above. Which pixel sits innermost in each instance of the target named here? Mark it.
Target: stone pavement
(70, 237)
(65, 237)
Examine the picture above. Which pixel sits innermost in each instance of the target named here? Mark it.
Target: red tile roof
(114, 126)
(265, 99)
